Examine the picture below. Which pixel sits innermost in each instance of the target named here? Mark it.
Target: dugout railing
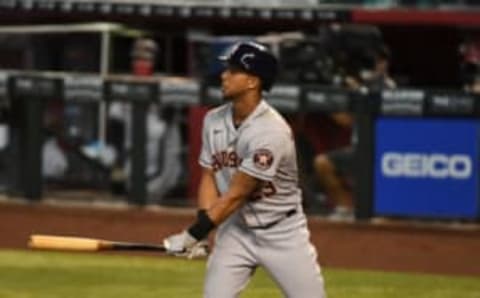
(34, 88)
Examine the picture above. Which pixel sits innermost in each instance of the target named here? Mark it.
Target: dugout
(43, 53)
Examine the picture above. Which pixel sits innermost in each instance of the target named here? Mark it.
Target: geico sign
(436, 165)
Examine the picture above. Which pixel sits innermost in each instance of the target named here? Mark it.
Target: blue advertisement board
(427, 167)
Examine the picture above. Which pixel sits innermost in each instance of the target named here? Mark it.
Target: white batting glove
(185, 245)
(179, 243)
(199, 250)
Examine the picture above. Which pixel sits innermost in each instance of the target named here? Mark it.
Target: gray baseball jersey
(269, 230)
(262, 147)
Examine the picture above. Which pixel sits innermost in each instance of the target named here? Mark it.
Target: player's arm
(207, 189)
(245, 181)
(186, 243)
(241, 187)
(260, 163)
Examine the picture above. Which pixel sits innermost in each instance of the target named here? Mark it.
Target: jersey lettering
(267, 189)
(225, 159)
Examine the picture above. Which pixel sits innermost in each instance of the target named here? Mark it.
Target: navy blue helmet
(255, 59)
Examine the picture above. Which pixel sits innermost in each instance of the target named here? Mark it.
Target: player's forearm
(241, 187)
(225, 206)
(207, 191)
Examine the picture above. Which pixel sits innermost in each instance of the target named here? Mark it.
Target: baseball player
(248, 189)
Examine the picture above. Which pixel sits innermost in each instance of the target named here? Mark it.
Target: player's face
(235, 82)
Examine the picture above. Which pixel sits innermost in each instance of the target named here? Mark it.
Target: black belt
(269, 225)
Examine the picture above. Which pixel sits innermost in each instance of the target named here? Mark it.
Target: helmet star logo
(245, 58)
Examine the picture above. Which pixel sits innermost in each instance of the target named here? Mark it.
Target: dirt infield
(384, 246)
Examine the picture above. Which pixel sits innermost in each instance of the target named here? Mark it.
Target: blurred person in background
(473, 86)
(163, 137)
(163, 148)
(143, 56)
(334, 169)
(470, 65)
(54, 159)
(164, 163)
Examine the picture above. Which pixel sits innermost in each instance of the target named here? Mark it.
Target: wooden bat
(87, 244)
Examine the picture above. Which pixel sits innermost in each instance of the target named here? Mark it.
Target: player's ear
(254, 82)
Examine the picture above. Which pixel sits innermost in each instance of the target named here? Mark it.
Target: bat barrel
(87, 244)
(64, 243)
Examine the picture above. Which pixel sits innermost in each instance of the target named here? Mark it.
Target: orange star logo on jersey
(263, 159)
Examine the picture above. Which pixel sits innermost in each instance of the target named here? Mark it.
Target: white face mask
(366, 74)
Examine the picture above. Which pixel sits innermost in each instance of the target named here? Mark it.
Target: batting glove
(199, 250)
(185, 245)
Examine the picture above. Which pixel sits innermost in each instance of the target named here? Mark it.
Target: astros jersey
(262, 147)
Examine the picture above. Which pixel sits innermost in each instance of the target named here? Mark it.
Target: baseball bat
(67, 243)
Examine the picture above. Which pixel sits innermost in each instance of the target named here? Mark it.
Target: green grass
(26, 274)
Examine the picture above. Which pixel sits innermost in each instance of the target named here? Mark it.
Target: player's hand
(199, 250)
(179, 243)
(185, 245)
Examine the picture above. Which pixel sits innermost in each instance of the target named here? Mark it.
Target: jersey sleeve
(264, 154)
(205, 158)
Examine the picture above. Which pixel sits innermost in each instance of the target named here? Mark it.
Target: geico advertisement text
(427, 167)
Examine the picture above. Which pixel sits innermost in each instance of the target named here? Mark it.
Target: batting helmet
(255, 59)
